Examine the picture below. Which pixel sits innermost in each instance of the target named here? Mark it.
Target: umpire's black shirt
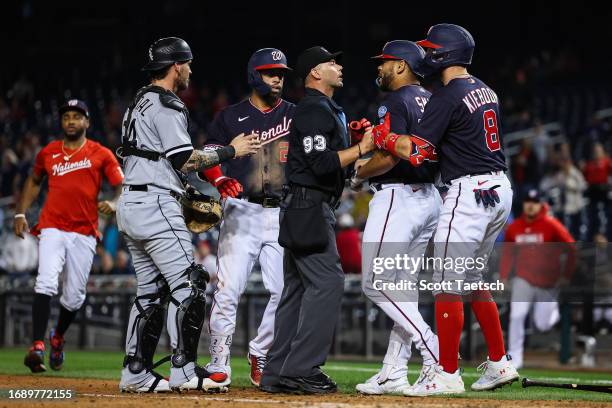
(317, 133)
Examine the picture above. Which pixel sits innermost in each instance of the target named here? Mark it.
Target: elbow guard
(422, 150)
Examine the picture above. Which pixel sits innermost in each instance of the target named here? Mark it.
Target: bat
(582, 387)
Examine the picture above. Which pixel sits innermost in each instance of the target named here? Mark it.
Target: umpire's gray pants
(308, 310)
(160, 243)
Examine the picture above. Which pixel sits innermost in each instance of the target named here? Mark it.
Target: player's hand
(358, 128)
(245, 145)
(367, 143)
(107, 207)
(380, 132)
(20, 226)
(228, 187)
(488, 197)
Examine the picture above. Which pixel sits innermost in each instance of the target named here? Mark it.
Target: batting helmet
(408, 51)
(447, 44)
(266, 58)
(167, 51)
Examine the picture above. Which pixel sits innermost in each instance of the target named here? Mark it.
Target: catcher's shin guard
(190, 316)
(147, 328)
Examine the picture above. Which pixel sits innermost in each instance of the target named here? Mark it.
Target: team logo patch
(382, 111)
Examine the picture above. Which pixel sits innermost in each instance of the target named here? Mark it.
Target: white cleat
(206, 381)
(155, 384)
(374, 385)
(495, 374)
(435, 381)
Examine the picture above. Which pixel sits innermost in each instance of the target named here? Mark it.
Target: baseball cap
(312, 57)
(76, 105)
(533, 195)
(399, 50)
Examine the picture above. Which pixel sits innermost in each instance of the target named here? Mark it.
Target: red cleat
(257, 365)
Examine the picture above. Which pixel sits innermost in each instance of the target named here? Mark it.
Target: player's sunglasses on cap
(75, 105)
(312, 57)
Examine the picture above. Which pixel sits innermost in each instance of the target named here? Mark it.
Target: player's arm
(380, 163)
(113, 173)
(241, 145)
(30, 192)
(218, 138)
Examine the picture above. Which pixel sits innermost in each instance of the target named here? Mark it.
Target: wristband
(226, 153)
(21, 215)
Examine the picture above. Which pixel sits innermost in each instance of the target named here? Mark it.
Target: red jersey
(534, 260)
(74, 184)
(598, 171)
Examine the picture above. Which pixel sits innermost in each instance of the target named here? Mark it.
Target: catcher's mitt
(201, 212)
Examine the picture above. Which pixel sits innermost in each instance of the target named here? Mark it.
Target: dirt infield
(104, 393)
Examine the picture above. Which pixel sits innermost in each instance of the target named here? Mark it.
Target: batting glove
(228, 187)
(358, 129)
(488, 196)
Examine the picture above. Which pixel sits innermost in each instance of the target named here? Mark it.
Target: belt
(309, 192)
(266, 202)
(487, 173)
(145, 187)
(379, 186)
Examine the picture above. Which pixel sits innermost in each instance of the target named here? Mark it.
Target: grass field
(107, 365)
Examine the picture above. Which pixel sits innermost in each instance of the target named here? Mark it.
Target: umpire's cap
(167, 51)
(405, 50)
(312, 57)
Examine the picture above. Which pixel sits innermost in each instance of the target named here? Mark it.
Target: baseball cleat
(495, 374)
(206, 381)
(435, 381)
(156, 383)
(257, 364)
(35, 359)
(375, 386)
(56, 356)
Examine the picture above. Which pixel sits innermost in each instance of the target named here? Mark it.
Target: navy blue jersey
(405, 106)
(462, 120)
(262, 174)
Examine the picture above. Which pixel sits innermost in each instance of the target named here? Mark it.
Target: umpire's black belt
(308, 192)
(266, 202)
(145, 187)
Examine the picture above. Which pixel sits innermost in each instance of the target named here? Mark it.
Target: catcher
(157, 152)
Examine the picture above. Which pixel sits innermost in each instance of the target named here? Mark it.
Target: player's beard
(182, 84)
(72, 137)
(384, 81)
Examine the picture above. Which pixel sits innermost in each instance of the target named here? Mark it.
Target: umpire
(314, 281)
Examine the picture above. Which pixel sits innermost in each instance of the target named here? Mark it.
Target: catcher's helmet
(167, 51)
(447, 45)
(266, 58)
(408, 51)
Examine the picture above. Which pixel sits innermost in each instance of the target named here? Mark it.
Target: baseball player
(252, 188)
(461, 124)
(68, 225)
(402, 218)
(157, 152)
(538, 269)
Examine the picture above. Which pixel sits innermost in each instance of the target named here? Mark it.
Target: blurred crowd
(569, 160)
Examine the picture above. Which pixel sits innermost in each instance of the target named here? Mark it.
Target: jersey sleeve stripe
(177, 149)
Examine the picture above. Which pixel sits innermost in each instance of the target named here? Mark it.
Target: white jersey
(158, 128)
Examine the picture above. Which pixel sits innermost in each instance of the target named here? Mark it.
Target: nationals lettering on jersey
(74, 184)
(405, 107)
(462, 120)
(262, 174)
